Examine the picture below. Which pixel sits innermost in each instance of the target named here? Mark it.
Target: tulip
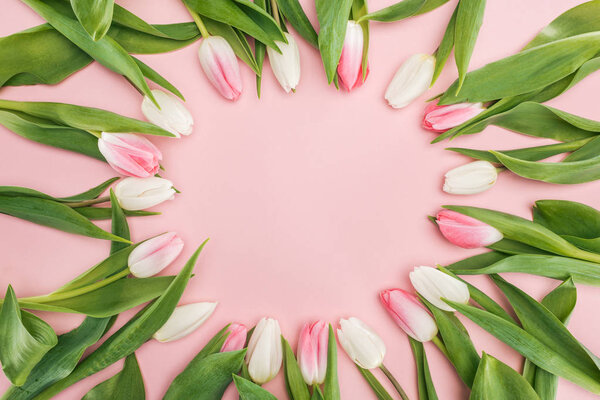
(172, 115)
(141, 193)
(154, 255)
(441, 118)
(361, 344)
(465, 231)
(286, 65)
(350, 65)
(312, 352)
(184, 320)
(434, 285)
(412, 79)
(265, 354)
(236, 338)
(221, 66)
(130, 154)
(471, 178)
(408, 312)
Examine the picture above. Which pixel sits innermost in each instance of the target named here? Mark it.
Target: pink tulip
(236, 339)
(408, 312)
(441, 118)
(130, 154)
(465, 231)
(312, 352)
(154, 255)
(221, 66)
(350, 65)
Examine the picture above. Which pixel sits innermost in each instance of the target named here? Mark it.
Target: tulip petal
(184, 320)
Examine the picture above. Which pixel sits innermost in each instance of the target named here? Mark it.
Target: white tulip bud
(411, 80)
(172, 115)
(286, 65)
(142, 193)
(434, 285)
(361, 343)
(471, 178)
(265, 354)
(184, 320)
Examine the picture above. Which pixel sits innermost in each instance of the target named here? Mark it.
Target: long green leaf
(331, 387)
(93, 193)
(375, 385)
(297, 18)
(497, 380)
(568, 218)
(446, 45)
(333, 19)
(94, 15)
(99, 213)
(128, 384)
(403, 9)
(294, 382)
(424, 382)
(469, 17)
(132, 335)
(24, 339)
(251, 391)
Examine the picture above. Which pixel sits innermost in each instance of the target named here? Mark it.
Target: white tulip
(411, 80)
(184, 320)
(361, 343)
(434, 285)
(264, 355)
(153, 255)
(471, 178)
(172, 115)
(286, 65)
(141, 193)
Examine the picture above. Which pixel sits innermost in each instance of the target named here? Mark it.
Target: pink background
(314, 201)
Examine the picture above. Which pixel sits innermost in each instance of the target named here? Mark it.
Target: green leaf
(293, 12)
(480, 260)
(24, 339)
(106, 50)
(333, 19)
(403, 9)
(294, 382)
(119, 224)
(132, 335)
(446, 45)
(84, 118)
(461, 352)
(55, 215)
(99, 213)
(374, 383)
(359, 8)
(155, 77)
(497, 380)
(317, 394)
(92, 193)
(508, 246)
(568, 218)
(469, 17)
(424, 381)
(94, 15)
(331, 387)
(251, 391)
(561, 302)
(128, 384)
(526, 71)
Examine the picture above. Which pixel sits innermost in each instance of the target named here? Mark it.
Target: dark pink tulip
(350, 65)
(441, 118)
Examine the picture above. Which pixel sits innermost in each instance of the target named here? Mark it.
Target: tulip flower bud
(434, 285)
(361, 344)
(471, 178)
(154, 255)
(130, 154)
(141, 193)
(172, 115)
(312, 352)
(221, 66)
(184, 320)
(286, 65)
(410, 315)
(465, 231)
(441, 118)
(411, 80)
(350, 65)
(265, 354)
(236, 339)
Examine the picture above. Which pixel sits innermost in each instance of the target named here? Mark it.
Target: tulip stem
(394, 382)
(436, 340)
(88, 202)
(76, 292)
(198, 21)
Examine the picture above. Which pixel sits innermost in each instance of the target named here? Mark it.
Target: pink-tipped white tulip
(286, 65)
(465, 231)
(141, 193)
(172, 115)
(350, 65)
(184, 320)
(410, 315)
(265, 354)
(441, 118)
(411, 80)
(154, 255)
(434, 285)
(474, 177)
(236, 338)
(221, 66)
(361, 343)
(130, 154)
(312, 352)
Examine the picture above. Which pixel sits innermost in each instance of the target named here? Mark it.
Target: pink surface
(314, 201)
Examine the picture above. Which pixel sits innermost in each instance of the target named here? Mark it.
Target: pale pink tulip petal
(465, 231)
(154, 255)
(350, 65)
(130, 154)
(236, 339)
(221, 66)
(408, 312)
(312, 352)
(441, 118)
